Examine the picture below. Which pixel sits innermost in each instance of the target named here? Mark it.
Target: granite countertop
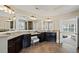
(11, 34)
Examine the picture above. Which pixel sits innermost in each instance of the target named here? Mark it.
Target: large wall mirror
(30, 25)
(4, 26)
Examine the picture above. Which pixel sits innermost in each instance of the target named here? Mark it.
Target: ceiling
(44, 10)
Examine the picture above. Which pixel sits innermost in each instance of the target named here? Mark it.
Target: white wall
(67, 16)
(3, 45)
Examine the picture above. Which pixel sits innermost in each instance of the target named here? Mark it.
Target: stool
(34, 40)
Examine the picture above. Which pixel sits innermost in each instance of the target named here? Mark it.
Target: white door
(68, 33)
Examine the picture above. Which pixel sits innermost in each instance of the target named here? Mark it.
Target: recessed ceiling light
(48, 17)
(32, 16)
(36, 8)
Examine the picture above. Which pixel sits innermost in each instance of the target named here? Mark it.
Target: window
(69, 28)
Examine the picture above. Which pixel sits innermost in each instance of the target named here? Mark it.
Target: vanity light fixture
(33, 18)
(36, 8)
(48, 19)
(7, 9)
(1, 7)
(9, 20)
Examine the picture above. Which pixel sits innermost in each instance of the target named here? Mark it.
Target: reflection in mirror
(11, 24)
(20, 24)
(6, 18)
(4, 26)
(25, 25)
(30, 25)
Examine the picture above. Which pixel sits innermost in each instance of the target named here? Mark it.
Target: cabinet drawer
(11, 48)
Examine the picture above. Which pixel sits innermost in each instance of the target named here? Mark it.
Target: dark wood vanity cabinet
(26, 40)
(41, 36)
(11, 46)
(50, 36)
(17, 43)
(14, 45)
(47, 36)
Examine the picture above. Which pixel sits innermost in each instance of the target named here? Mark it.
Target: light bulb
(9, 11)
(13, 12)
(1, 7)
(5, 9)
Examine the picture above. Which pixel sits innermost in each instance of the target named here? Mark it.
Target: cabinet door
(41, 37)
(11, 49)
(11, 46)
(51, 36)
(18, 44)
(26, 41)
(14, 45)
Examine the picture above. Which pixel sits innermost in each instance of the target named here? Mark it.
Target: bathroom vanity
(11, 41)
(15, 41)
(16, 44)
